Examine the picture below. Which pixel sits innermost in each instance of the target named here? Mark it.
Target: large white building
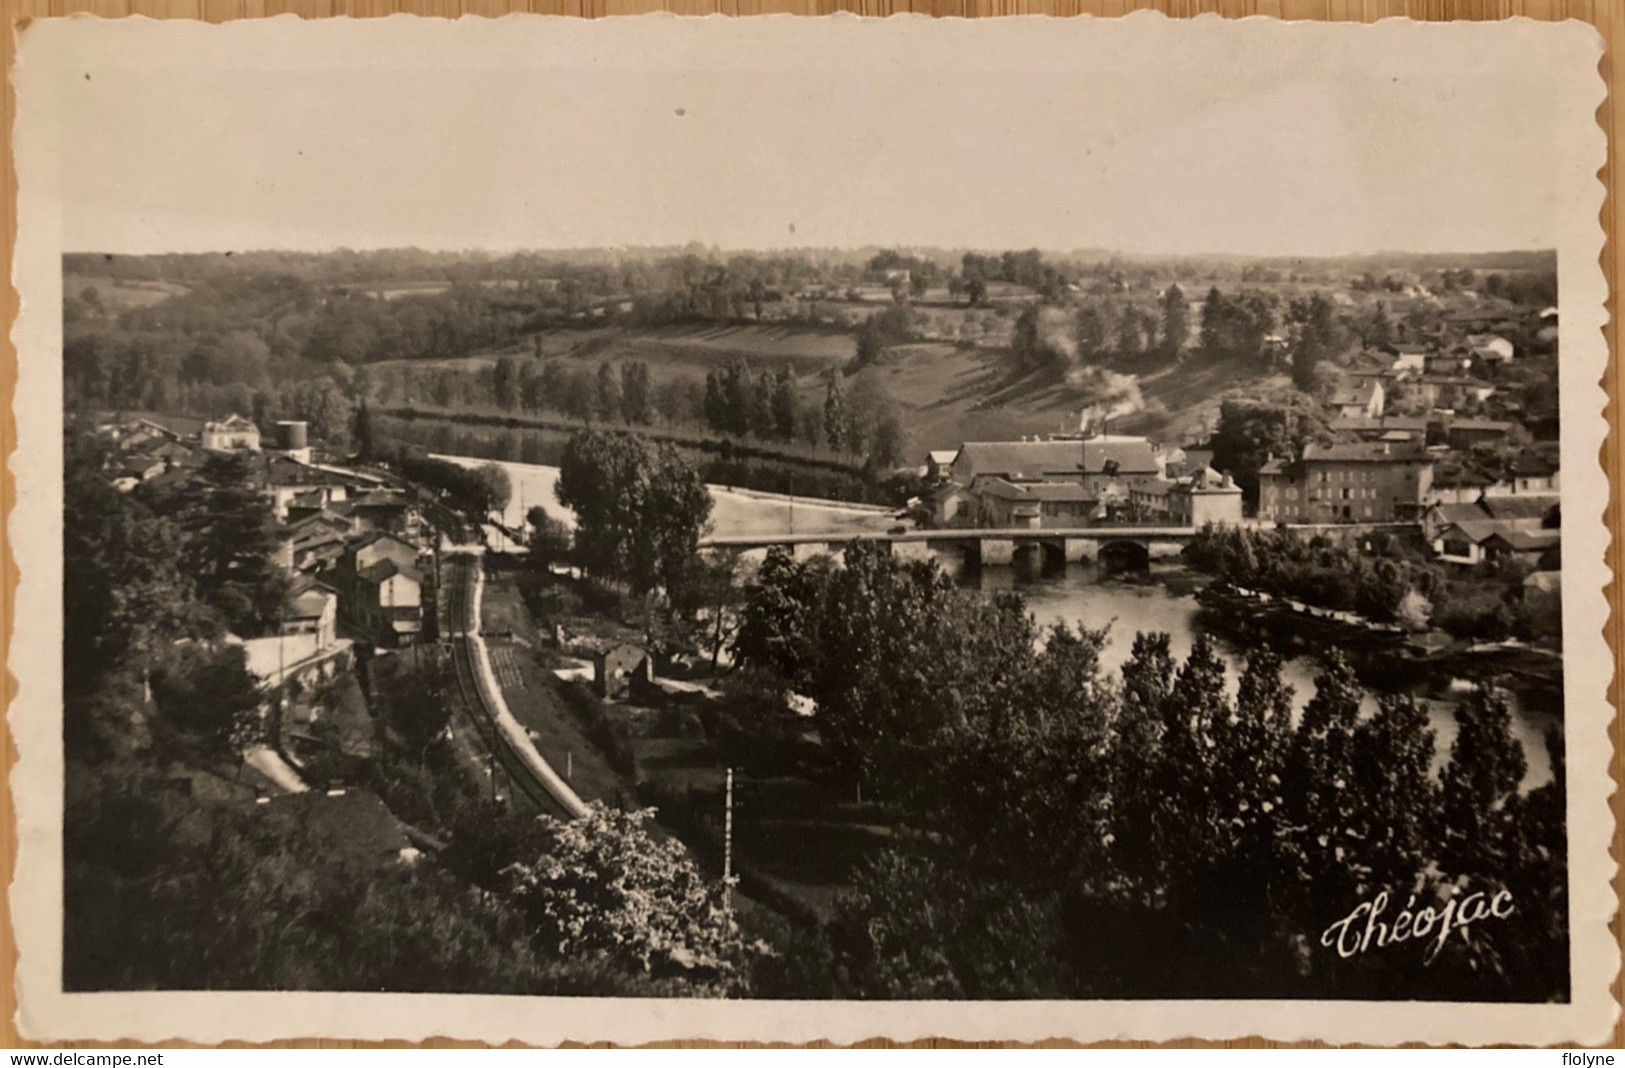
(232, 434)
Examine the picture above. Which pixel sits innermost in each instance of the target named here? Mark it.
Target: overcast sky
(1148, 137)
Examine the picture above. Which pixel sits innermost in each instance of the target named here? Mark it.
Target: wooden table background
(1607, 15)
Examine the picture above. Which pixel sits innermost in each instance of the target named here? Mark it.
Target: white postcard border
(48, 48)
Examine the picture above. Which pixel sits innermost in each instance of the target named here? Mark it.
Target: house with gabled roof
(1357, 396)
(232, 434)
(1477, 541)
(312, 608)
(1054, 481)
(938, 464)
(380, 587)
(1035, 505)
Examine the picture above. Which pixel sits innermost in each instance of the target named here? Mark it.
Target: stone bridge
(1121, 548)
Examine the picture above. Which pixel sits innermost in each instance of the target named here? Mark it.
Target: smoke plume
(1105, 394)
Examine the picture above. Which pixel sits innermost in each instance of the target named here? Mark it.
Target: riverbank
(1169, 599)
(720, 461)
(736, 512)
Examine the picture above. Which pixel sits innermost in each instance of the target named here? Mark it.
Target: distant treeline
(476, 490)
(412, 264)
(531, 440)
(1386, 584)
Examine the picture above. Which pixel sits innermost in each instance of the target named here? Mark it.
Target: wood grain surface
(1607, 15)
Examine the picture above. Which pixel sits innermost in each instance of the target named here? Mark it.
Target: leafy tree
(871, 342)
(1396, 823)
(209, 694)
(737, 397)
(1131, 339)
(639, 511)
(707, 602)
(1136, 744)
(1215, 310)
(605, 886)
(1175, 321)
(1234, 327)
(1251, 431)
(1043, 341)
(361, 434)
(549, 538)
(635, 392)
(322, 403)
(1249, 759)
(761, 406)
(1313, 338)
(124, 586)
(493, 479)
(1322, 780)
(247, 899)
(1380, 331)
(1195, 712)
(784, 405)
(505, 383)
(1486, 767)
(608, 398)
(231, 543)
(418, 709)
(1251, 747)
(836, 419)
(887, 449)
(716, 405)
(1374, 328)
(912, 929)
(779, 619)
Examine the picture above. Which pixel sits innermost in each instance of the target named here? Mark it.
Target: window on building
(1347, 493)
(1368, 511)
(1291, 494)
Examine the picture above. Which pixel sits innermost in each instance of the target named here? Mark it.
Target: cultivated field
(121, 294)
(946, 392)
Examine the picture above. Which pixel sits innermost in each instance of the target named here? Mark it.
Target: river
(1078, 595)
(734, 511)
(1081, 597)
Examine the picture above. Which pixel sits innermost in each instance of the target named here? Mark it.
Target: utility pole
(727, 847)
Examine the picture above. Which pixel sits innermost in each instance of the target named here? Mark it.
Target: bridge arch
(1041, 557)
(1121, 556)
(958, 555)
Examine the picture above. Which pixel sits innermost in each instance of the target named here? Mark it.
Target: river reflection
(1082, 597)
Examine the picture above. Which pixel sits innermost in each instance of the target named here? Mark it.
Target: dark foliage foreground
(1153, 835)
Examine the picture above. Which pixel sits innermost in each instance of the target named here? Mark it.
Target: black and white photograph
(1007, 524)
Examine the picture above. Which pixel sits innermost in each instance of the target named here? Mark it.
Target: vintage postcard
(793, 529)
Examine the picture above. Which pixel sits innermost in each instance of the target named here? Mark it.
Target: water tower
(293, 439)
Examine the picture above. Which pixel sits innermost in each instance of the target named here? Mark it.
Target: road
(946, 534)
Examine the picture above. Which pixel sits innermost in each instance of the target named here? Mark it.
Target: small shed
(616, 669)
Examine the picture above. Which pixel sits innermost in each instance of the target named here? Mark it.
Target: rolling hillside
(947, 393)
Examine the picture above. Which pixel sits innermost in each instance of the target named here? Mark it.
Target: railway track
(469, 744)
(459, 627)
